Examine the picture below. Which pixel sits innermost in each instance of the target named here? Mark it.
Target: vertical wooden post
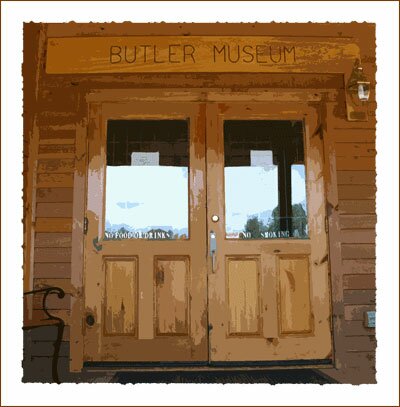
(334, 239)
(77, 260)
(34, 41)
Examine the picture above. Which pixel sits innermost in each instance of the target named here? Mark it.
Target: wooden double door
(205, 234)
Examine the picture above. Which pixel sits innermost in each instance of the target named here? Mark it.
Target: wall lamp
(358, 84)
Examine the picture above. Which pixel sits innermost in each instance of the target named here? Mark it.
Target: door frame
(312, 100)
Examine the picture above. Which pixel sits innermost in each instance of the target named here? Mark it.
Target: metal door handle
(213, 250)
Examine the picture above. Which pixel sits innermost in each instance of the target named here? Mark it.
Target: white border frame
(385, 15)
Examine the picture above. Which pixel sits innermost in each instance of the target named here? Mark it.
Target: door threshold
(208, 366)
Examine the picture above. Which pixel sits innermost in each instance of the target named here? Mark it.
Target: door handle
(213, 250)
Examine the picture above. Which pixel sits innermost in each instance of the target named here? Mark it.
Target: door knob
(215, 218)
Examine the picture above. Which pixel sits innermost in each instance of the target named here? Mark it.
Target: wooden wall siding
(356, 188)
(59, 307)
(54, 196)
(59, 111)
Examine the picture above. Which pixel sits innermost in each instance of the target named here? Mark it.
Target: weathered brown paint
(199, 54)
(56, 110)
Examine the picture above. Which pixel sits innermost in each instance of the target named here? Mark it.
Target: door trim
(205, 95)
(77, 250)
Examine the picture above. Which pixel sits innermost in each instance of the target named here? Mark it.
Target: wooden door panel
(146, 299)
(268, 298)
(243, 287)
(120, 314)
(294, 295)
(171, 275)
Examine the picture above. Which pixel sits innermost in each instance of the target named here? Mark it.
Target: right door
(268, 251)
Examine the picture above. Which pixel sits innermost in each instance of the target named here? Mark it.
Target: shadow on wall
(38, 357)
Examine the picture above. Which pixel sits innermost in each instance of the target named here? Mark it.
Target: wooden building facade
(287, 106)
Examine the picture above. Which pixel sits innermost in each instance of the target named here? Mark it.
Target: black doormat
(252, 376)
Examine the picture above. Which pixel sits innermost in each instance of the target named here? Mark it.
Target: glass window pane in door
(299, 201)
(147, 179)
(265, 189)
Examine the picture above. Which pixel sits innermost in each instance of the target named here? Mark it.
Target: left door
(145, 253)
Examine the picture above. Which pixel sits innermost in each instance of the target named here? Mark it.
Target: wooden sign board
(147, 54)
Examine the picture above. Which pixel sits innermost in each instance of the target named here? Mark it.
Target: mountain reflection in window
(265, 179)
(147, 180)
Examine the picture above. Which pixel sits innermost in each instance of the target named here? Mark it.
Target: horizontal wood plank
(54, 210)
(45, 349)
(359, 281)
(47, 334)
(64, 283)
(235, 29)
(355, 149)
(53, 225)
(53, 118)
(52, 254)
(362, 362)
(356, 177)
(356, 312)
(355, 163)
(356, 328)
(359, 297)
(357, 221)
(56, 148)
(356, 191)
(49, 166)
(240, 81)
(59, 100)
(340, 123)
(52, 270)
(316, 55)
(55, 180)
(357, 236)
(57, 132)
(354, 135)
(359, 266)
(53, 239)
(57, 141)
(53, 302)
(357, 206)
(59, 156)
(358, 251)
(54, 195)
(38, 369)
(360, 343)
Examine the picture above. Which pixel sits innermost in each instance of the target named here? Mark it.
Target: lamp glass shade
(363, 91)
